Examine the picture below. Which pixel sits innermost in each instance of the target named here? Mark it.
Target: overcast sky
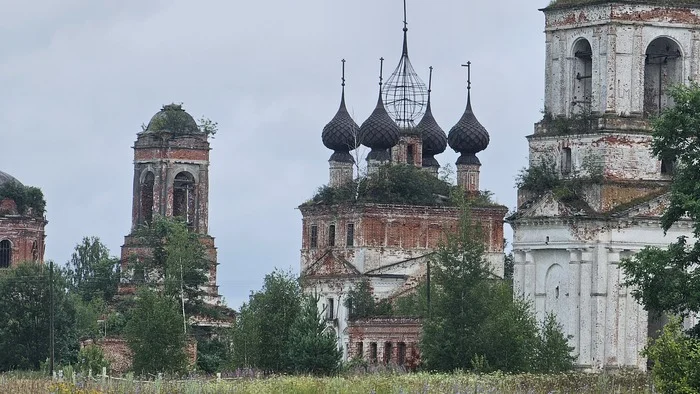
(79, 77)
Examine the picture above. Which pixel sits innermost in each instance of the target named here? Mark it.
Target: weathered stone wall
(619, 35)
(571, 268)
(26, 235)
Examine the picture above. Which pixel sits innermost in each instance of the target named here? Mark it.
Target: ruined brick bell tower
(171, 179)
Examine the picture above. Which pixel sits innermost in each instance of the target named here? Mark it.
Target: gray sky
(79, 77)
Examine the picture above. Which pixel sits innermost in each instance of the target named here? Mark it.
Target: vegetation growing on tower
(397, 184)
(30, 200)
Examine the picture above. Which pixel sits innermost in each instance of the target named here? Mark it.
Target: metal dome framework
(405, 94)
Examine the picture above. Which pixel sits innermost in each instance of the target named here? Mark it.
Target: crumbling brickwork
(386, 341)
(387, 245)
(26, 235)
(171, 178)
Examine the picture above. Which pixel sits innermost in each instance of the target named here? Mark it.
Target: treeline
(156, 321)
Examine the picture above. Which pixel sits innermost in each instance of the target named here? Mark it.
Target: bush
(29, 200)
(91, 358)
(676, 360)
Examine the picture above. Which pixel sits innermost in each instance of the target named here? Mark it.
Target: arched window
(583, 77)
(663, 68)
(184, 197)
(35, 252)
(5, 254)
(146, 200)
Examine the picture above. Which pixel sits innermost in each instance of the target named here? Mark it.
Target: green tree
(262, 334)
(669, 280)
(361, 302)
(554, 354)
(25, 312)
(155, 336)
(474, 322)
(178, 264)
(313, 349)
(676, 360)
(92, 272)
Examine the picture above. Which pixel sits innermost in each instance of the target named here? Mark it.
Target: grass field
(625, 382)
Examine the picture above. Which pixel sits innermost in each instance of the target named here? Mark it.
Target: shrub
(676, 360)
(91, 358)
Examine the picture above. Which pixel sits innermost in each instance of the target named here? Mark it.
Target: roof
(5, 177)
(558, 4)
(174, 119)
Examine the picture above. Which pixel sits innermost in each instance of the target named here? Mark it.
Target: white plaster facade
(616, 60)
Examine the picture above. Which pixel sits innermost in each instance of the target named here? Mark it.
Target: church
(387, 241)
(608, 69)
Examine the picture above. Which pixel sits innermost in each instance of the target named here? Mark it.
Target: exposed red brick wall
(398, 226)
(23, 232)
(383, 331)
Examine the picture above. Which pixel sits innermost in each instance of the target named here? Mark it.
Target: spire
(469, 84)
(342, 94)
(404, 93)
(405, 32)
(430, 88)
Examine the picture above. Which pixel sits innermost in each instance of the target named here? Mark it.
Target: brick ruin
(22, 235)
(171, 179)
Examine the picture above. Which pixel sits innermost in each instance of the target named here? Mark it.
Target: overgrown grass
(622, 382)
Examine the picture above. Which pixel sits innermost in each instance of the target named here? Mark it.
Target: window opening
(583, 77)
(373, 352)
(566, 161)
(146, 200)
(663, 68)
(184, 197)
(330, 309)
(35, 251)
(387, 352)
(331, 235)
(350, 235)
(401, 357)
(667, 166)
(360, 350)
(5, 254)
(409, 154)
(313, 241)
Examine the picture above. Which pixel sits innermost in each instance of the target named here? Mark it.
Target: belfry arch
(184, 197)
(663, 68)
(146, 199)
(582, 95)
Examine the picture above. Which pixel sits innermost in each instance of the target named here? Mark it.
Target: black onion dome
(434, 138)
(379, 131)
(340, 134)
(7, 178)
(468, 136)
(173, 118)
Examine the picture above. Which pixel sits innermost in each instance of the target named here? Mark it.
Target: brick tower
(171, 179)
